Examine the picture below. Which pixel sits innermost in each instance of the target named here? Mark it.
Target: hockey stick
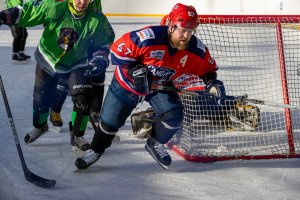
(31, 177)
(173, 89)
(243, 98)
(267, 103)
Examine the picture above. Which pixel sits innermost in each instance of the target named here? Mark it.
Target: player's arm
(210, 78)
(127, 54)
(31, 13)
(123, 51)
(99, 48)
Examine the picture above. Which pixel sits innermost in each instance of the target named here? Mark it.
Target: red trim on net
(208, 159)
(226, 19)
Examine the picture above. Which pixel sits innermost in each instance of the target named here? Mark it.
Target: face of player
(180, 37)
(81, 5)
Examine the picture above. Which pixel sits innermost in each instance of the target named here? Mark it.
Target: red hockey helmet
(165, 21)
(185, 16)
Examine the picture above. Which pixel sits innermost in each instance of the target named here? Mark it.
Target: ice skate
(89, 158)
(18, 59)
(27, 57)
(34, 134)
(56, 121)
(158, 152)
(79, 144)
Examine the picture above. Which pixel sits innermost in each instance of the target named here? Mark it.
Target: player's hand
(217, 88)
(141, 78)
(97, 65)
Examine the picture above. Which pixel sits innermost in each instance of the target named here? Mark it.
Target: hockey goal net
(258, 56)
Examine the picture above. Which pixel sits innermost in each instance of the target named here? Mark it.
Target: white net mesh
(259, 57)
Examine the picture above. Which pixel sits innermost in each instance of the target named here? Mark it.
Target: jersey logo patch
(158, 54)
(67, 38)
(162, 73)
(145, 34)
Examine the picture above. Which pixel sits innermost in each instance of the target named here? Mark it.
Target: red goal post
(258, 56)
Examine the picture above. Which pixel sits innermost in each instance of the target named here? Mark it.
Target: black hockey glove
(217, 88)
(97, 65)
(141, 78)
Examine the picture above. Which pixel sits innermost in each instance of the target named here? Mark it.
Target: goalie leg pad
(243, 117)
(141, 123)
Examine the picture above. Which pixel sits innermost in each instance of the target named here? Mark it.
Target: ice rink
(126, 171)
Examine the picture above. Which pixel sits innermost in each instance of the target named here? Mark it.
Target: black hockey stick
(31, 177)
(173, 89)
(243, 98)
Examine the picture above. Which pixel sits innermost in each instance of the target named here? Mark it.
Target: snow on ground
(126, 171)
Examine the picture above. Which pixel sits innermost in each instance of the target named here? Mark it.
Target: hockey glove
(141, 78)
(217, 88)
(97, 65)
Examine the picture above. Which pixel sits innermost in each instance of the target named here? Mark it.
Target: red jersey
(150, 46)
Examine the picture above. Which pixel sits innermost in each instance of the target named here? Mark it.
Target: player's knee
(81, 103)
(167, 125)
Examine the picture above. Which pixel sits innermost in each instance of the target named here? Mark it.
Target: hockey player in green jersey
(75, 44)
(55, 119)
(19, 34)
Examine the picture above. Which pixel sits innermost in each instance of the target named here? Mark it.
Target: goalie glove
(243, 117)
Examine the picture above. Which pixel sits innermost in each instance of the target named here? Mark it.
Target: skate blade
(77, 150)
(57, 129)
(153, 156)
(90, 126)
(23, 62)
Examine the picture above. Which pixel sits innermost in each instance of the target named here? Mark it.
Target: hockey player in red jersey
(155, 55)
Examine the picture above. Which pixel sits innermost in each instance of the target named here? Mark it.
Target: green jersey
(66, 40)
(13, 3)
